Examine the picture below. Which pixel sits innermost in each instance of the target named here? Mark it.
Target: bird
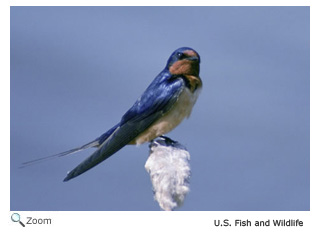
(163, 105)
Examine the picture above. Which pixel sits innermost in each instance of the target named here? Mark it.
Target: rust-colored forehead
(190, 53)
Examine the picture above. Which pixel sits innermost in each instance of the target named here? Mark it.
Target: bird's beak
(193, 58)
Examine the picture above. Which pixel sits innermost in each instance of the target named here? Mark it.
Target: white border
(160, 3)
(156, 221)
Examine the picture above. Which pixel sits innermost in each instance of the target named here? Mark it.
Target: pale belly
(181, 109)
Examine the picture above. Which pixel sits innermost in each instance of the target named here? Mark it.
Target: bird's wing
(158, 99)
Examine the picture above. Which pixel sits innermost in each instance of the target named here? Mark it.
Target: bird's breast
(180, 110)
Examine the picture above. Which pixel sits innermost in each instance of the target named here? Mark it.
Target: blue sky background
(76, 70)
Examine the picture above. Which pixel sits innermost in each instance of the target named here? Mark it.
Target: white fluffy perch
(169, 169)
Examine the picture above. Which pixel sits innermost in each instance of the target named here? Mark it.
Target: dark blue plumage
(144, 118)
(163, 105)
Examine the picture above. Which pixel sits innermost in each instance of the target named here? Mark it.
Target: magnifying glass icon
(15, 217)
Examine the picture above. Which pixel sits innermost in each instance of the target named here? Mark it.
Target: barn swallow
(164, 104)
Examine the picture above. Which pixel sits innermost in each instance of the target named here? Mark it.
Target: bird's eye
(181, 55)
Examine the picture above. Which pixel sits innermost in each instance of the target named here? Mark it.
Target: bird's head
(184, 61)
